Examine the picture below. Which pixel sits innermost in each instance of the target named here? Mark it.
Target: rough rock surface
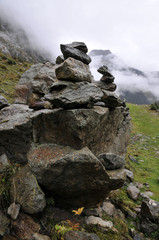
(79, 45)
(129, 175)
(106, 86)
(3, 102)
(112, 161)
(117, 178)
(98, 221)
(38, 236)
(150, 209)
(133, 192)
(75, 96)
(4, 222)
(55, 166)
(111, 100)
(108, 208)
(73, 70)
(24, 227)
(27, 192)
(70, 51)
(74, 235)
(148, 227)
(34, 83)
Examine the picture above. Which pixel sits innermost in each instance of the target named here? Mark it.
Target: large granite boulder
(71, 51)
(73, 70)
(15, 132)
(75, 95)
(34, 83)
(28, 193)
(100, 129)
(75, 178)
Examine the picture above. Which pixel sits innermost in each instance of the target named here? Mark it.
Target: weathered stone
(24, 227)
(3, 102)
(150, 209)
(129, 175)
(75, 53)
(103, 69)
(148, 227)
(60, 59)
(133, 192)
(76, 235)
(111, 100)
(111, 161)
(107, 79)
(4, 161)
(34, 83)
(99, 129)
(106, 86)
(98, 221)
(108, 208)
(75, 178)
(38, 236)
(146, 194)
(79, 45)
(119, 214)
(75, 95)
(27, 192)
(117, 178)
(133, 159)
(73, 70)
(4, 223)
(89, 212)
(13, 210)
(15, 131)
(9, 237)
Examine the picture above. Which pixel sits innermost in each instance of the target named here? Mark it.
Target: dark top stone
(103, 69)
(75, 53)
(79, 45)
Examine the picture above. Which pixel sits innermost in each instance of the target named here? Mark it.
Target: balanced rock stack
(107, 80)
(73, 148)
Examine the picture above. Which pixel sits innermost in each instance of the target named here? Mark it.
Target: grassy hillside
(144, 147)
(10, 72)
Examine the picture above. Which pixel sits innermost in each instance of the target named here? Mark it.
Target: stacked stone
(107, 80)
(74, 63)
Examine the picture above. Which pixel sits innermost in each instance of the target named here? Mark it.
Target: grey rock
(107, 79)
(38, 236)
(98, 221)
(133, 159)
(133, 192)
(106, 86)
(78, 45)
(111, 100)
(92, 212)
(75, 53)
(75, 95)
(4, 161)
(34, 83)
(75, 178)
(117, 178)
(146, 194)
(148, 227)
(119, 214)
(75, 235)
(150, 209)
(60, 59)
(73, 70)
(4, 223)
(108, 208)
(27, 192)
(99, 129)
(13, 210)
(15, 131)
(41, 105)
(3, 102)
(111, 161)
(129, 175)
(103, 69)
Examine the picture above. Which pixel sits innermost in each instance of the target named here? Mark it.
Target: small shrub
(11, 62)
(154, 106)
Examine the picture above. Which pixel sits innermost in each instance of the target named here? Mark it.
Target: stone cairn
(68, 133)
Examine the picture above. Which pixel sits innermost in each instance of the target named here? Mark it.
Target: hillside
(144, 146)
(10, 73)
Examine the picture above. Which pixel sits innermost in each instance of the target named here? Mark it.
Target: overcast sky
(129, 28)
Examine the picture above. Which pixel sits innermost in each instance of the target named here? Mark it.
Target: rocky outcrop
(68, 134)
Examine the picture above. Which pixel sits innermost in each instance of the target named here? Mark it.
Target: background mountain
(134, 85)
(15, 43)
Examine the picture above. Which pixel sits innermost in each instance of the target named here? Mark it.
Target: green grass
(144, 146)
(10, 73)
